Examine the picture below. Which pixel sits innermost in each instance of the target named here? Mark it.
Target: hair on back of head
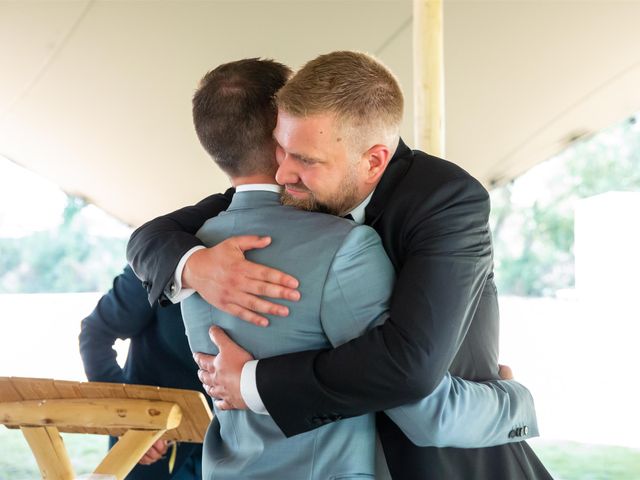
(234, 114)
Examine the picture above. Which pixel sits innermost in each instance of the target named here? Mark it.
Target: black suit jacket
(432, 217)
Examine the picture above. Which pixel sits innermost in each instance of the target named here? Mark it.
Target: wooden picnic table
(138, 414)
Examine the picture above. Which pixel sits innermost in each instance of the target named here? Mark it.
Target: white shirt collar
(253, 187)
(358, 212)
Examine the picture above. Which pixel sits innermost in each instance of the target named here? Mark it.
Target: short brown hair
(234, 114)
(359, 90)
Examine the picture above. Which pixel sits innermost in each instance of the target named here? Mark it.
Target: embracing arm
(156, 247)
(464, 414)
(446, 257)
(458, 413)
(220, 273)
(122, 313)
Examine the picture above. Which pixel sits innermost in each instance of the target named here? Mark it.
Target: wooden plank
(51, 455)
(94, 413)
(127, 452)
(186, 429)
(34, 388)
(196, 413)
(8, 392)
(200, 418)
(142, 391)
(69, 389)
(149, 392)
(104, 390)
(93, 390)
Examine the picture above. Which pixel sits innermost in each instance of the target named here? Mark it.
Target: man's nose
(286, 173)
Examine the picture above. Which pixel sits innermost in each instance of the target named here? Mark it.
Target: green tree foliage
(532, 218)
(65, 259)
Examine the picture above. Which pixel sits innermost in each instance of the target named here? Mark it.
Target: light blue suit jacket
(346, 281)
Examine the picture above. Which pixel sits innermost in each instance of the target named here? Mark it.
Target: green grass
(579, 461)
(565, 460)
(17, 462)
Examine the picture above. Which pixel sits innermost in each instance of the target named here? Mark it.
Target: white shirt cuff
(175, 292)
(249, 388)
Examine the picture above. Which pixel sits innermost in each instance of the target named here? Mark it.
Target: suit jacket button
(519, 432)
(512, 433)
(525, 430)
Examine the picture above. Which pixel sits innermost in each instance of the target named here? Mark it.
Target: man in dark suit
(159, 354)
(339, 150)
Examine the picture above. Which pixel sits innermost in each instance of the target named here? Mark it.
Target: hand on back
(229, 282)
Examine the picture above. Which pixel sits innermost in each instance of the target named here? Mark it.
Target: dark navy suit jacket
(159, 355)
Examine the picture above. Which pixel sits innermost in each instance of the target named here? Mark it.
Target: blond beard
(348, 200)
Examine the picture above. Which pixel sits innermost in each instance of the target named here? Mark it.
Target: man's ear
(377, 158)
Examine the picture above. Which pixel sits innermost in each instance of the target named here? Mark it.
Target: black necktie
(348, 216)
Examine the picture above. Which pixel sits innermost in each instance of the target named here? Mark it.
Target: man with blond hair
(339, 151)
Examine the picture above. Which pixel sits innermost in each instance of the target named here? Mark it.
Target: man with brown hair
(339, 150)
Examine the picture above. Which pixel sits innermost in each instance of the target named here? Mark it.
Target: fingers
(271, 290)
(249, 242)
(224, 405)
(204, 361)
(220, 339)
(505, 372)
(268, 274)
(249, 308)
(259, 305)
(207, 382)
(209, 390)
(260, 272)
(155, 453)
(206, 372)
(208, 385)
(245, 314)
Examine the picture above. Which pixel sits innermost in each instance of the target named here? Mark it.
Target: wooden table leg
(48, 448)
(127, 452)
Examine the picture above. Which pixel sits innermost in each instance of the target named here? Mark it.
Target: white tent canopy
(96, 95)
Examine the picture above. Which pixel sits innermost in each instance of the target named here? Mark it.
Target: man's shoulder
(283, 213)
(277, 221)
(426, 175)
(438, 169)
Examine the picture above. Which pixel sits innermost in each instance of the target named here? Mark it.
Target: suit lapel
(396, 170)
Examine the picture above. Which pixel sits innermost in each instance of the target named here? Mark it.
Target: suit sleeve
(122, 313)
(156, 247)
(446, 258)
(464, 414)
(458, 413)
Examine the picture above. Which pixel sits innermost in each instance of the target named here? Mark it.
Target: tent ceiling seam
(48, 62)
(395, 34)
